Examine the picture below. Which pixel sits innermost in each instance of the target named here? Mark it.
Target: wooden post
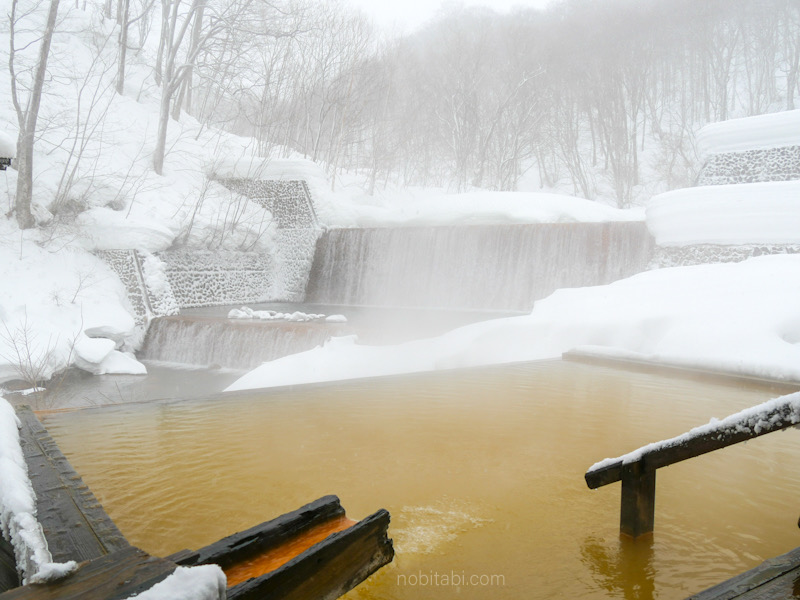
(637, 510)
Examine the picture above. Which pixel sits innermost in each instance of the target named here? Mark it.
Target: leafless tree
(27, 110)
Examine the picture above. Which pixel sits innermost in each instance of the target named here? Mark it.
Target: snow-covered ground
(750, 133)
(432, 208)
(740, 318)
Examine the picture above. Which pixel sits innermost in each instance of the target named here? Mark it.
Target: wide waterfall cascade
(498, 267)
(208, 341)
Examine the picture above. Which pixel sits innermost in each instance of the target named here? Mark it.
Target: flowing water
(476, 267)
(482, 471)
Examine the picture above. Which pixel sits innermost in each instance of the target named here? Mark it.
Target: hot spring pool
(482, 472)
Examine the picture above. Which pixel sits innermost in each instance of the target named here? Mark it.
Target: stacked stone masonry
(678, 256)
(209, 278)
(295, 255)
(751, 166)
(123, 263)
(289, 201)
(146, 302)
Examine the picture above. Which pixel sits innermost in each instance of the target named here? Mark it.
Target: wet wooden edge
(763, 581)
(685, 372)
(74, 523)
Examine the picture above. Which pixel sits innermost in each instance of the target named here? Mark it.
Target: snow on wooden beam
(637, 469)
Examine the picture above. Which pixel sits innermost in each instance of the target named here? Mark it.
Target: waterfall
(222, 342)
(474, 267)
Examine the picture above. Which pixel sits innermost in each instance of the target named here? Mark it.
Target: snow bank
(106, 229)
(741, 318)
(750, 133)
(751, 213)
(749, 420)
(428, 208)
(64, 308)
(18, 522)
(205, 582)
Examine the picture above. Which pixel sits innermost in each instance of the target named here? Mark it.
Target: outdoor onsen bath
(481, 471)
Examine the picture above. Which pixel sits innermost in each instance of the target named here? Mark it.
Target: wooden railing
(637, 470)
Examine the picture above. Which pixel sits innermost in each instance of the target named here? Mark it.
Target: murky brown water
(481, 471)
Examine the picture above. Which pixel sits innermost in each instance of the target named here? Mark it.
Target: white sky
(407, 15)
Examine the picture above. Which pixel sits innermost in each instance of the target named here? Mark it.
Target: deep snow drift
(749, 213)
(750, 133)
(741, 318)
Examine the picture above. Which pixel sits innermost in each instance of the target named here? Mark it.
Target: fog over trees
(600, 95)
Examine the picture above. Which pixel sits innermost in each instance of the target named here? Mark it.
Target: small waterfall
(501, 267)
(206, 341)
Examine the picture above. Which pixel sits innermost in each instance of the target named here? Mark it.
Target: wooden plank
(263, 537)
(74, 523)
(678, 449)
(8, 567)
(326, 570)
(114, 576)
(780, 572)
(637, 509)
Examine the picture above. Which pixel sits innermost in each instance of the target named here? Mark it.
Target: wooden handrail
(637, 469)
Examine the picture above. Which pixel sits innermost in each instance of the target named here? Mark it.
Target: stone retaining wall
(681, 256)
(289, 201)
(751, 166)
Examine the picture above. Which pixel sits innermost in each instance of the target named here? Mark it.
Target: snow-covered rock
(120, 363)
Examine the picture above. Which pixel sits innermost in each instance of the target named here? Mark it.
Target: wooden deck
(74, 523)
(115, 576)
(775, 579)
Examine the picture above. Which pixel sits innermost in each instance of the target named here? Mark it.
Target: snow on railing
(637, 469)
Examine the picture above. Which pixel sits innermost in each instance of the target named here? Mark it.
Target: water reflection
(625, 570)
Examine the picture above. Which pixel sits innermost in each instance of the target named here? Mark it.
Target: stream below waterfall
(201, 351)
(481, 470)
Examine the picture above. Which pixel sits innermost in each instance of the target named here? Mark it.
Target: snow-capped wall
(160, 284)
(747, 199)
(733, 215)
(750, 166)
(751, 133)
